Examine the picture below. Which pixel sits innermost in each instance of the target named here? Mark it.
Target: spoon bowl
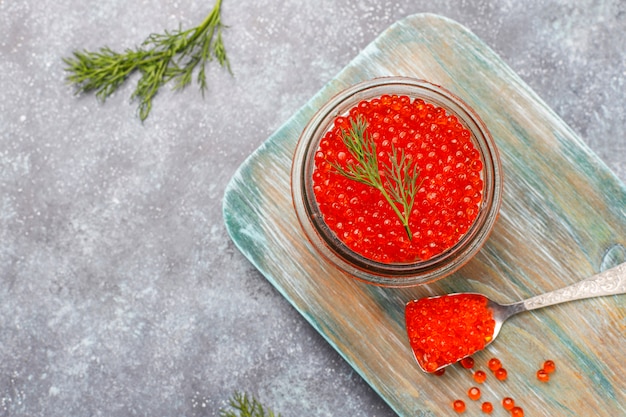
(445, 329)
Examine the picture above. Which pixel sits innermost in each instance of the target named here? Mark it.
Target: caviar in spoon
(443, 330)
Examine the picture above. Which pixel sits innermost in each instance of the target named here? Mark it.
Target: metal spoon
(609, 282)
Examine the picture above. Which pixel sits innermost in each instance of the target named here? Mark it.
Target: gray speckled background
(120, 291)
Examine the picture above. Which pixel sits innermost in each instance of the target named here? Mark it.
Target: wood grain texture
(563, 218)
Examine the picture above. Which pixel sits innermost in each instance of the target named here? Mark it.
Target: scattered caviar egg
(517, 412)
(508, 403)
(501, 374)
(439, 164)
(440, 372)
(494, 364)
(543, 375)
(549, 366)
(443, 329)
(480, 376)
(487, 407)
(467, 362)
(473, 393)
(458, 406)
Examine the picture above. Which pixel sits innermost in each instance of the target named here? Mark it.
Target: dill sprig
(245, 406)
(159, 59)
(398, 182)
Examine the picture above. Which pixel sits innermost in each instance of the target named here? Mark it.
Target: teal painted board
(563, 218)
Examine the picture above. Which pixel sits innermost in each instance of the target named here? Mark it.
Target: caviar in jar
(396, 182)
(398, 179)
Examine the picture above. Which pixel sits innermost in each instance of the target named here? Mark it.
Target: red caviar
(450, 184)
(487, 407)
(517, 412)
(480, 376)
(474, 393)
(501, 374)
(467, 362)
(542, 375)
(508, 403)
(494, 364)
(549, 366)
(458, 406)
(444, 329)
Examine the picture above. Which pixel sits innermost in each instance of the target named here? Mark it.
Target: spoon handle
(610, 282)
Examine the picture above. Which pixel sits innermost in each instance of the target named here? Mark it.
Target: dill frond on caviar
(243, 405)
(171, 56)
(399, 186)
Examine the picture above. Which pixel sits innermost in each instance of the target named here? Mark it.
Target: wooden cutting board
(563, 218)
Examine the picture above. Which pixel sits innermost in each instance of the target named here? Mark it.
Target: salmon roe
(467, 362)
(517, 412)
(444, 329)
(543, 376)
(458, 406)
(480, 376)
(474, 393)
(549, 366)
(449, 192)
(501, 374)
(508, 403)
(494, 364)
(487, 407)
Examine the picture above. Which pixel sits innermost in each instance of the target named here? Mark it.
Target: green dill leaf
(172, 55)
(242, 405)
(398, 185)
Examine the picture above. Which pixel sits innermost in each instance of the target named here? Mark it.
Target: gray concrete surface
(120, 291)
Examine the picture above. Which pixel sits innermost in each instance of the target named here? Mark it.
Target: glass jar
(325, 240)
